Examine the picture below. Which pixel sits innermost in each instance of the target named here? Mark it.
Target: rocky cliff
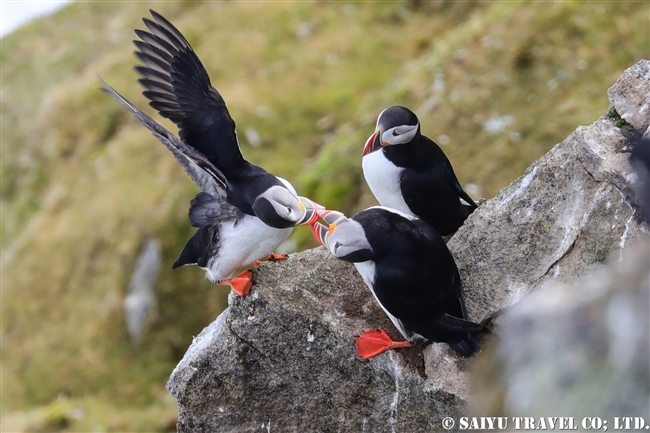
(575, 349)
(283, 358)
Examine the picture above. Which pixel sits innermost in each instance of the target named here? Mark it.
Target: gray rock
(575, 350)
(630, 96)
(284, 357)
(569, 211)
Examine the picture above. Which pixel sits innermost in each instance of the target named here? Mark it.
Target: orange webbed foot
(241, 284)
(376, 341)
(271, 258)
(276, 257)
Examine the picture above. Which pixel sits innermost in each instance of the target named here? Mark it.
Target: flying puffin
(410, 272)
(407, 171)
(243, 213)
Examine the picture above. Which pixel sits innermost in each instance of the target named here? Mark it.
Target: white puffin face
(286, 205)
(347, 240)
(399, 134)
(277, 207)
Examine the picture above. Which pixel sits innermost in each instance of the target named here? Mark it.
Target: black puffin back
(247, 185)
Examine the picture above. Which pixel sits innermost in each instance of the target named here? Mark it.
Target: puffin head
(395, 125)
(280, 207)
(345, 238)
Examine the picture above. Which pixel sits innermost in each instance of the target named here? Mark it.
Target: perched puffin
(243, 213)
(411, 273)
(409, 172)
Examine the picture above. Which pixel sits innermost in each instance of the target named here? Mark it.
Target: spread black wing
(178, 87)
(204, 174)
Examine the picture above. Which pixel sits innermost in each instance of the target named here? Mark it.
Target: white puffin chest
(367, 272)
(242, 244)
(383, 177)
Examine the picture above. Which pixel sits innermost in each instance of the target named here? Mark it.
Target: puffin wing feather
(208, 213)
(204, 174)
(178, 86)
(208, 210)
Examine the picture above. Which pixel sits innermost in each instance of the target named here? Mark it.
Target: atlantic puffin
(407, 171)
(243, 213)
(411, 273)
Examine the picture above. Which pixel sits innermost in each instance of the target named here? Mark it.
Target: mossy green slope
(84, 185)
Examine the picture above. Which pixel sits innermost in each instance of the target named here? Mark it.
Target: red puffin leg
(241, 284)
(271, 258)
(372, 343)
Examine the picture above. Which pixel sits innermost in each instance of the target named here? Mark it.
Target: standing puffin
(411, 273)
(243, 212)
(409, 172)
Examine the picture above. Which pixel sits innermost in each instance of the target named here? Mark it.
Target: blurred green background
(496, 84)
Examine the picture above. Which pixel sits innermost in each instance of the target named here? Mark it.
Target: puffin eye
(395, 134)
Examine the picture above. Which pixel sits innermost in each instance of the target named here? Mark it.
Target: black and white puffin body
(409, 270)
(409, 172)
(243, 213)
(227, 238)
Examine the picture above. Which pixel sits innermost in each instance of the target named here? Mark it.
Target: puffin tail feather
(467, 346)
(460, 334)
(454, 324)
(195, 251)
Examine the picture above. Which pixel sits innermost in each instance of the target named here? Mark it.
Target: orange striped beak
(311, 215)
(320, 232)
(330, 216)
(373, 143)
